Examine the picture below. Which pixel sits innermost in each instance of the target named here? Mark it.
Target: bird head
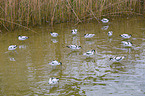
(60, 63)
(110, 59)
(80, 47)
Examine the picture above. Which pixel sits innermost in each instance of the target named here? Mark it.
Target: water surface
(25, 72)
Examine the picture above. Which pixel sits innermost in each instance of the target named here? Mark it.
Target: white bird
(117, 58)
(74, 31)
(53, 34)
(89, 35)
(110, 33)
(22, 37)
(89, 53)
(125, 36)
(12, 47)
(127, 43)
(104, 20)
(74, 47)
(53, 80)
(55, 62)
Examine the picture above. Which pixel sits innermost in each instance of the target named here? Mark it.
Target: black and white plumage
(89, 53)
(127, 43)
(74, 31)
(89, 35)
(117, 58)
(125, 36)
(110, 33)
(53, 80)
(74, 47)
(12, 47)
(104, 20)
(22, 37)
(55, 63)
(53, 34)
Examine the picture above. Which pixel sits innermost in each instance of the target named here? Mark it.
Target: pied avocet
(117, 58)
(53, 34)
(22, 37)
(12, 47)
(110, 33)
(74, 31)
(53, 80)
(125, 36)
(55, 62)
(89, 35)
(104, 20)
(127, 43)
(89, 53)
(74, 47)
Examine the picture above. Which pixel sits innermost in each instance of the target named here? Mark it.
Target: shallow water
(25, 72)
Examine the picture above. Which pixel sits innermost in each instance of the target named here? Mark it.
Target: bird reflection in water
(117, 67)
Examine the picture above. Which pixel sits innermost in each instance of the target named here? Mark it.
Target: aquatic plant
(15, 13)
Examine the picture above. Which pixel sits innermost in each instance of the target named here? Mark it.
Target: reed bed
(15, 13)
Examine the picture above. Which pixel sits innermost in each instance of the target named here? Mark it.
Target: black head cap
(80, 46)
(110, 58)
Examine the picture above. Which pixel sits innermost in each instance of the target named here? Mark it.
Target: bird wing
(118, 58)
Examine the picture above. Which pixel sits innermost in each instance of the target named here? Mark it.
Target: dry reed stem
(52, 18)
(74, 11)
(18, 25)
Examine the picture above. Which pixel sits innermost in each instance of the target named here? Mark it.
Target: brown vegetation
(14, 13)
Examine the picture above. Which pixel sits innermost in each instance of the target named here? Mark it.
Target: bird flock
(88, 53)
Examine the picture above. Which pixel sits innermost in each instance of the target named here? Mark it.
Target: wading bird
(22, 37)
(53, 80)
(74, 47)
(127, 43)
(110, 33)
(104, 20)
(125, 36)
(74, 31)
(53, 34)
(88, 35)
(12, 47)
(117, 58)
(55, 63)
(89, 53)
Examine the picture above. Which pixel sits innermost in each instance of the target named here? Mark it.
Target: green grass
(16, 13)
